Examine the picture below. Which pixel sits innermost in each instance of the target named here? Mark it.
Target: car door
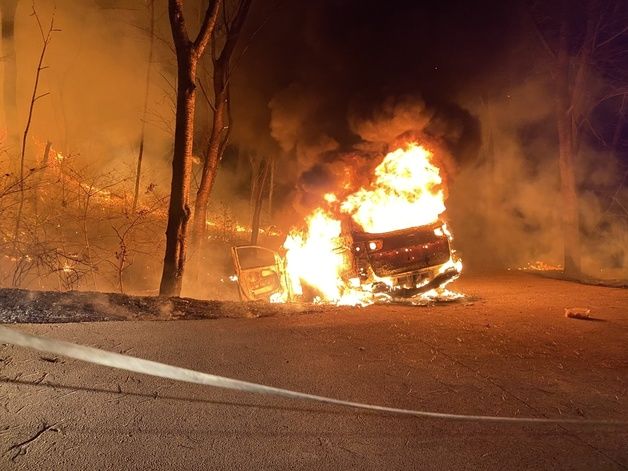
(260, 273)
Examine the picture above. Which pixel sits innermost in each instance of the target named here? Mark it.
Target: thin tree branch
(539, 33)
(41, 96)
(206, 96)
(46, 40)
(613, 37)
(207, 28)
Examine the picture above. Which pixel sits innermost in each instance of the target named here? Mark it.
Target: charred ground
(49, 307)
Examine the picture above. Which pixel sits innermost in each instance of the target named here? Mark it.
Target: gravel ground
(507, 350)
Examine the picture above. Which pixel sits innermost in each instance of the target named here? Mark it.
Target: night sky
(351, 55)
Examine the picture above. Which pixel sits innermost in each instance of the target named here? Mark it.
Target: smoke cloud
(506, 208)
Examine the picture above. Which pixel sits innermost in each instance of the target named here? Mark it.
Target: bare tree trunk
(140, 155)
(271, 186)
(179, 209)
(572, 112)
(7, 10)
(264, 168)
(39, 178)
(208, 174)
(254, 165)
(220, 123)
(580, 97)
(188, 54)
(564, 110)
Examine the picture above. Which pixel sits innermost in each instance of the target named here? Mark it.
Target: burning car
(387, 266)
(406, 262)
(382, 241)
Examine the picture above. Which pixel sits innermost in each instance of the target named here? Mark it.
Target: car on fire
(399, 264)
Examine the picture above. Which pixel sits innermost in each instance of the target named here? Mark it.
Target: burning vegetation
(144, 182)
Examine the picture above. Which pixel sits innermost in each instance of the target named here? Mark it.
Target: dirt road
(508, 350)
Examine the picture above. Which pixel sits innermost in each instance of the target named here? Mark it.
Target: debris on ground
(578, 312)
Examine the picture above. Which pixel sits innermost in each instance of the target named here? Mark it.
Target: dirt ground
(507, 350)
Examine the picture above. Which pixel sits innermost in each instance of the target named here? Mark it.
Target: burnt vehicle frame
(401, 264)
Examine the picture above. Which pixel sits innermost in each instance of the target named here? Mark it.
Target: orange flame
(407, 192)
(312, 257)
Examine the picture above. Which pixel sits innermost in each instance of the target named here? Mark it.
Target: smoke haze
(325, 90)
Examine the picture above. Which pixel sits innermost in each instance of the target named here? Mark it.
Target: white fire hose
(153, 368)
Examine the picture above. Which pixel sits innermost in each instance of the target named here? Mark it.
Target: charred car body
(400, 264)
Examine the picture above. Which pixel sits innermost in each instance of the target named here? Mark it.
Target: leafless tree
(45, 37)
(86, 191)
(220, 104)
(564, 117)
(260, 180)
(140, 155)
(126, 248)
(188, 53)
(577, 53)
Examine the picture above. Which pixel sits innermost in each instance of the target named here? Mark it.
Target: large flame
(311, 256)
(407, 191)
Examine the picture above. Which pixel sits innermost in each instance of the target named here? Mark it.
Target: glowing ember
(539, 265)
(330, 197)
